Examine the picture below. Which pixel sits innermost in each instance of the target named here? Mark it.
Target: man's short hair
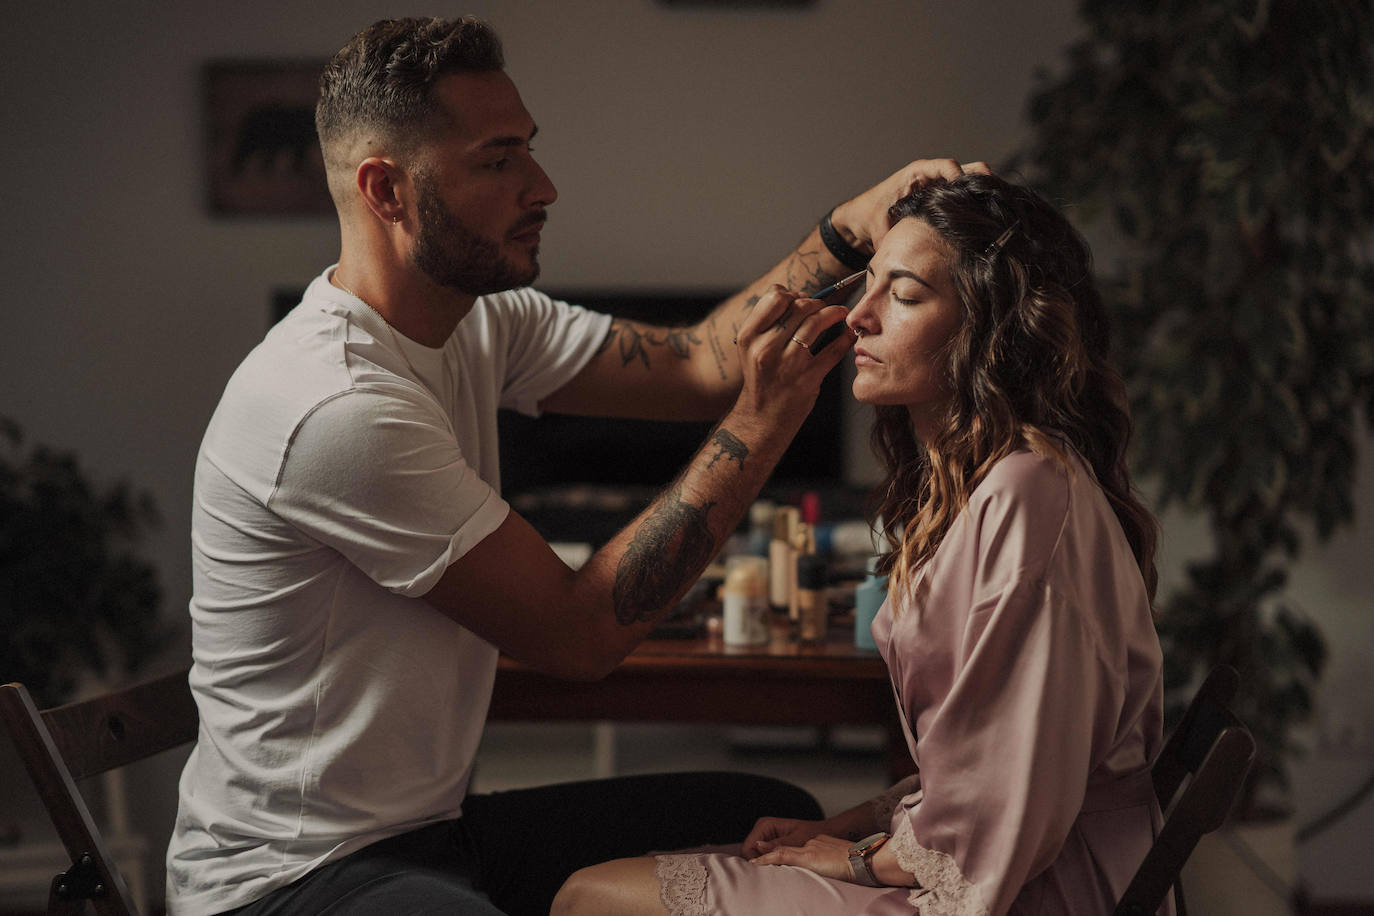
(382, 80)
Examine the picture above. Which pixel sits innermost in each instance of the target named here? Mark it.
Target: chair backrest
(1211, 746)
(65, 744)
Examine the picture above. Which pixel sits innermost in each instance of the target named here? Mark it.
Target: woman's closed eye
(907, 294)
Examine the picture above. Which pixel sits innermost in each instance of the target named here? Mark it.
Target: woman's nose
(860, 317)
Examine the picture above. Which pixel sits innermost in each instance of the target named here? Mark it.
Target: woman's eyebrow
(911, 275)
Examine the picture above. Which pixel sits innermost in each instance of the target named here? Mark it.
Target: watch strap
(843, 252)
(859, 855)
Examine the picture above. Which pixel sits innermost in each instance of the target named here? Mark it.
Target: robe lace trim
(681, 885)
(943, 890)
(885, 804)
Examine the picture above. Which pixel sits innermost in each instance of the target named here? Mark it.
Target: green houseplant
(1224, 151)
(75, 597)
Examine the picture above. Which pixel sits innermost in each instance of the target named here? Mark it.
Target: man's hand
(863, 221)
(781, 375)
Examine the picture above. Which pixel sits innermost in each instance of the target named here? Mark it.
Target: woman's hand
(863, 221)
(771, 832)
(825, 855)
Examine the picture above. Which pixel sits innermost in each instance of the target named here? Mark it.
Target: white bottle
(744, 596)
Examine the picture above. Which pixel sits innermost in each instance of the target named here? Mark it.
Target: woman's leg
(621, 887)
(528, 841)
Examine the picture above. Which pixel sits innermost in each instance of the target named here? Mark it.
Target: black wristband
(845, 253)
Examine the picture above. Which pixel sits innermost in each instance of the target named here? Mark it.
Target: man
(356, 570)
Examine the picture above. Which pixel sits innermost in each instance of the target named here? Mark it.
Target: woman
(1019, 632)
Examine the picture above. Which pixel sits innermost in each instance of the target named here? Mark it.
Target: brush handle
(829, 334)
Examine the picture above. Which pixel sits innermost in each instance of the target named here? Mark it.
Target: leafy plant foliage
(74, 595)
(1226, 148)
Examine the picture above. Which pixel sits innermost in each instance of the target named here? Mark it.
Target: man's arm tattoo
(634, 342)
(671, 545)
(717, 348)
(728, 446)
(804, 273)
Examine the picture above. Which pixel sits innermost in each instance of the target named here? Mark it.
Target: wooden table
(704, 680)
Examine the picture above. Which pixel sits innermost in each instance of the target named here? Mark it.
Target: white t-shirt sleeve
(376, 474)
(546, 342)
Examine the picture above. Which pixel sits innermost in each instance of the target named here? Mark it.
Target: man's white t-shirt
(344, 469)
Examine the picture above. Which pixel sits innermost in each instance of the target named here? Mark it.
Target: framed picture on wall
(263, 156)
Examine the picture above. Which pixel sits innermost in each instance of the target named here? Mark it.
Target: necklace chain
(392, 331)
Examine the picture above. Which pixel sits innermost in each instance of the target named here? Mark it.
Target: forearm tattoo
(671, 545)
(804, 273)
(634, 342)
(728, 446)
(717, 348)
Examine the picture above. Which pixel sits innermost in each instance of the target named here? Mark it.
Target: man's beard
(452, 255)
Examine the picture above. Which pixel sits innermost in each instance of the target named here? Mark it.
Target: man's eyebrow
(902, 272)
(502, 142)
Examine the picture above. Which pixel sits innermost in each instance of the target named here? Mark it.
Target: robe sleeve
(1005, 753)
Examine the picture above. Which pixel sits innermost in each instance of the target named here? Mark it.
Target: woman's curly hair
(1029, 367)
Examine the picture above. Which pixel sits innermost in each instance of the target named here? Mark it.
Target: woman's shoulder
(1018, 511)
(1028, 480)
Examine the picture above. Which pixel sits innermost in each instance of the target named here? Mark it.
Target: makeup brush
(836, 329)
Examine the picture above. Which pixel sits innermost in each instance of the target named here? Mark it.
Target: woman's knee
(624, 887)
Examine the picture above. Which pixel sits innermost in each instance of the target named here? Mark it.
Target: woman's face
(905, 318)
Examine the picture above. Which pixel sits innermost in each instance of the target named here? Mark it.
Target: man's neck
(405, 298)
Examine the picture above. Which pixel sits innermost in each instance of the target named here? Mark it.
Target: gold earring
(395, 220)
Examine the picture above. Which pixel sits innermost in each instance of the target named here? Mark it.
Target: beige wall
(691, 148)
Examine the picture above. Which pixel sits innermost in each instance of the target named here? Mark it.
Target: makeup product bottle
(868, 598)
(760, 527)
(803, 542)
(813, 610)
(744, 597)
(781, 560)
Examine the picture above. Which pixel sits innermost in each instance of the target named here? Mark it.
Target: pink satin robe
(1027, 670)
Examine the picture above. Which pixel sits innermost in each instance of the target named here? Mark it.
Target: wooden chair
(65, 744)
(1216, 750)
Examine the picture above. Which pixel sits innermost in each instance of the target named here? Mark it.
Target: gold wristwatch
(860, 853)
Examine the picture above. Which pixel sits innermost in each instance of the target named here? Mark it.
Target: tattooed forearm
(634, 342)
(717, 348)
(804, 273)
(728, 446)
(672, 545)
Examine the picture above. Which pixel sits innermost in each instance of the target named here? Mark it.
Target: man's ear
(383, 185)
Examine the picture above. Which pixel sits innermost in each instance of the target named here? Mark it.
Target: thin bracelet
(845, 253)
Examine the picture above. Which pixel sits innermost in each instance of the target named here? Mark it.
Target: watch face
(867, 843)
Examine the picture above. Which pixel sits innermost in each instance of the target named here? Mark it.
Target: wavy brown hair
(1030, 367)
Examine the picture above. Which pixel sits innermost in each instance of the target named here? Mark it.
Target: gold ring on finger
(800, 343)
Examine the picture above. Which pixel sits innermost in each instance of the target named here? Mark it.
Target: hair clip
(1001, 240)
